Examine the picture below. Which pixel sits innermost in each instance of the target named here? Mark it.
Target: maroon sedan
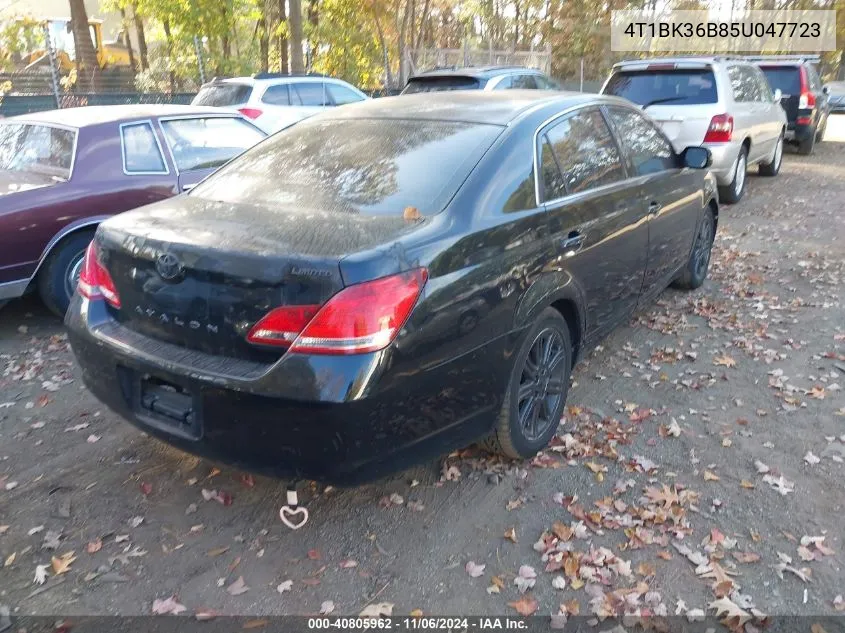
(63, 172)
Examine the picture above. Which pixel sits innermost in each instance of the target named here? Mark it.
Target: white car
(276, 100)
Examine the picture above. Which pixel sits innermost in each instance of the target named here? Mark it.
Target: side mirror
(826, 90)
(697, 157)
(778, 95)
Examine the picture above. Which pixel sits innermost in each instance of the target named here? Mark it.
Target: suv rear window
(652, 87)
(370, 166)
(222, 95)
(784, 77)
(440, 84)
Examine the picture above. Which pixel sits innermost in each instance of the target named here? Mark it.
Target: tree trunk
(263, 43)
(314, 20)
(87, 66)
(142, 38)
(169, 39)
(296, 63)
(388, 75)
(283, 39)
(124, 21)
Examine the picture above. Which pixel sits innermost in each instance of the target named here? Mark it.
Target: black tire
(512, 436)
(733, 192)
(54, 283)
(695, 272)
(807, 146)
(772, 168)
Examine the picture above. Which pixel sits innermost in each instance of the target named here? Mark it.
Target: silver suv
(722, 103)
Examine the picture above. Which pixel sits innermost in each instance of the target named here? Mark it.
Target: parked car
(276, 100)
(722, 103)
(63, 172)
(479, 78)
(836, 96)
(803, 97)
(273, 317)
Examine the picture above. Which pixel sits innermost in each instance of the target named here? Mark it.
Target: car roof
(476, 71)
(96, 115)
(271, 78)
(471, 106)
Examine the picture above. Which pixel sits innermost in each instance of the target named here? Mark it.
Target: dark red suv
(63, 172)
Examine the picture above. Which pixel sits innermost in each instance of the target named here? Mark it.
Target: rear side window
(524, 82)
(585, 153)
(784, 78)
(652, 87)
(438, 84)
(141, 152)
(38, 149)
(506, 83)
(204, 143)
(309, 94)
(744, 84)
(368, 166)
(341, 95)
(648, 150)
(276, 95)
(223, 95)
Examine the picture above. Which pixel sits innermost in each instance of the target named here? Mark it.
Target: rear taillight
(250, 113)
(362, 318)
(807, 100)
(95, 282)
(720, 129)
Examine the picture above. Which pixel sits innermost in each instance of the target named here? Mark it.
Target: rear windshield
(368, 166)
(440, 84)
(784, 77)
(207, 142)
(651, 87)
(222, 95)
(38, 149)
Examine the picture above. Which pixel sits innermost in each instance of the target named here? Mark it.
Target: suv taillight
(95, 282)
(720, 129)
(250, 113)
(362, 318)
(807, 100)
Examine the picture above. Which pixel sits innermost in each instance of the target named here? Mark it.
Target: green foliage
(19, 36)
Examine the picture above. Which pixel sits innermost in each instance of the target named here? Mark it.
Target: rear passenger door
(668, 193)
(597, 219)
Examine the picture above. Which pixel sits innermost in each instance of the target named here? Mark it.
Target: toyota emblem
(169, 267)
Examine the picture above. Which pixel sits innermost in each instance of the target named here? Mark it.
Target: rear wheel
(60, 271)
(772, 168)
(536, 392)
(807, 146)
(695, 272)
(733, 192)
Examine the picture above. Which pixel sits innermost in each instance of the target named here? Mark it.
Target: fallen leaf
(61, 564)
(525, 606)
(202, 614)
(247, 480)
(94, 546)
(562, 531)
(746, 557)
(326, 607)
(41, 574)
(811, 459)
(168, 606)
(348, 564)
(559, 583)
(377, 610)
(510, 534)
(238, 587)
(525, 579)
(839, 603)
(664, 554)
(255, 624)
(710, 476)
(146, 488)
(416, 613)
(284, 586)
(314, 554)
(724, 361)
(474, 570)
(733, 617)
(780, 484)
(217, 551)
(747, 484)
(817, 628)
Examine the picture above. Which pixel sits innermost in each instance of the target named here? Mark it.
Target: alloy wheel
(703, 243)
(778, 154)
(541, 385)
(73, 271)
(739, 176)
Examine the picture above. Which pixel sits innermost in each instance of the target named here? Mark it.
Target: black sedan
(388, 281)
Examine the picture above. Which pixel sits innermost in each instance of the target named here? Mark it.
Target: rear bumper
(724, 159)
(338, 419)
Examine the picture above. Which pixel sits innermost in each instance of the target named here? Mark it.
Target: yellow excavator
(113, 54)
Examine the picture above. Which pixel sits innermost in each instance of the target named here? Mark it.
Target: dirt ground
(704, 442)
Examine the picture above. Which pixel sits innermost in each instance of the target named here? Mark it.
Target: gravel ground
(701, 458)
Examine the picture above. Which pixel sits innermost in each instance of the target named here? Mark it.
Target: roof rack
(813, 59)
(280, 75)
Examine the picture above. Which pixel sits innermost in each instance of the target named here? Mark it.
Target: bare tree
(87, 66)
(296, 63)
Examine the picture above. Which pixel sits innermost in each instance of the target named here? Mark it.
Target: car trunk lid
(200, 274)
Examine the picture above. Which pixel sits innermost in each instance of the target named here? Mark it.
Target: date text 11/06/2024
(455, 624)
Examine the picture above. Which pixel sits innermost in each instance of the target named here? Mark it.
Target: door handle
(654, 208)
(573, 241)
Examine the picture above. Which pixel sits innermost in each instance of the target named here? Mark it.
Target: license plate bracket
(168, 406)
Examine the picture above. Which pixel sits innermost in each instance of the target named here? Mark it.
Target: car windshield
(785, 78)
(38, 149)
(678, 87)
(222, 95)
(440, 84)
(202, 143)
(368, 166)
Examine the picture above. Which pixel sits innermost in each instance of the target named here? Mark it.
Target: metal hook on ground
(292, 514)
